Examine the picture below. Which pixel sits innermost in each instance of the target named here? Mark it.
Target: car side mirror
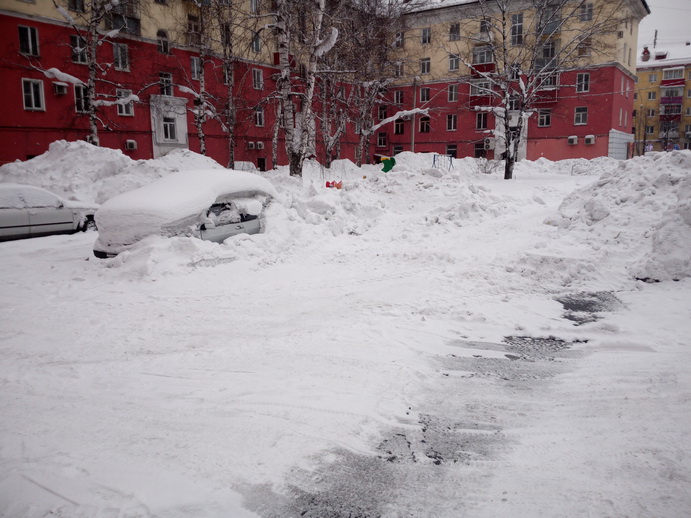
(202, 226)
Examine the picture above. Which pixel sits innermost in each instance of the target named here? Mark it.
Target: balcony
(669, 135)
(671, 100)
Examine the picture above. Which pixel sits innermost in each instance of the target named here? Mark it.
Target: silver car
(28, 211)
(208, 204)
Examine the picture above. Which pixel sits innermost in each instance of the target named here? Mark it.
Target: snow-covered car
(209, 204)
(28, 211)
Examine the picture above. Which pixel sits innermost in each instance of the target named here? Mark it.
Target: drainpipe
(412, 129)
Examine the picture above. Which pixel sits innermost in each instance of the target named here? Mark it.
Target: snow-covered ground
(423, 343)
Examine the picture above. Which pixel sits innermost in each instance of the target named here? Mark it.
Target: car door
(47, 213)
(14, 217)
(228, 222)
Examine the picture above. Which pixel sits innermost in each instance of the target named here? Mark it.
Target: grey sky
(671, 18)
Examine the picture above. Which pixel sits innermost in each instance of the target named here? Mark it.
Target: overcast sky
(671, 18)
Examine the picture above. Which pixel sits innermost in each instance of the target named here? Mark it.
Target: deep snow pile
(641, 209)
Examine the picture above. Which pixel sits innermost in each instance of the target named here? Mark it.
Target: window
(517, 29)
(78, 49)
(652, 78)
(121, 58)
(651, 112)
(481, 120)
(482, 55)
(398, 41)
(549, 81)
(381, 139)
(544, 119)
(452, 93)
(76, 5)
(515, 72)
(125, 109)
(259, 116)
(674, 73)
(583, 82)
(480, 151)
(169, 129)
(688, 93)
(425, 64)
(455, 32)
(649, 130)
(688, 112)
(162, 42)
(398, 127)
(452, 150)
(424, 94)
(670, 109)
(426, 36)
(580, 116)
(652, 96)
(484, 25)
(548, 52)
(28, 40)
(124, 16)
(586, 12)
(480, 87)
(672, 92)
(398, 69)
(514, 104)
(424, 125)
(257, 79)
(454, 62)
(451, 122)
(256, 43)
(81, 99)
(254, 6)
(33, 94)
(687, 128)
(193, 36)
(584, 47)
(165, 82)
(381, 112)
(398, 97)
(196, 67)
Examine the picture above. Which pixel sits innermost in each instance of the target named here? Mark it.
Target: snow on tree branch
(327, 43)
(54, 73)
(398, 115)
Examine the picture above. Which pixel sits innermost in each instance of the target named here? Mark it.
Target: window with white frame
(424, 94)
(514, 104)
(652, 78)
(452, 93)
(584, 47)
(398, 127)
(480, 87)
(382, 112)
(454, 32)
(515, 72)
(256, 43)
(193, 28)
(548, 81)
(672, 92)
(688, 94)
(81, 99)
(451, 122)
(196, 67)
(381, 139)
(33, 94)
(688, 111)
(517, 29)
(485, 25)
(649, 130)
(425, 125)
(78, 46)
(125, 109)
(426, 35)
(651, 112)
(583, 82)
(652, 96)
(670, 109)
(586, 12)
(170, 132)
(254, 6)
(398, 97)
(162, 42)
(673, 73)
(398, 69)
(121, 58)
(165, 83)
(482, 55)
(28, 40)
(425, 65)
(580, 117)
(544, 119)
(257, 78)
(398, 40)
(454, 62)
(481, 120)
(259, 116)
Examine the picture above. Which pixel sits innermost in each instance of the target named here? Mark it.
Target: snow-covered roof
(669, 55)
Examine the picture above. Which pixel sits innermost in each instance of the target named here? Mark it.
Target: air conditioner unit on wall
(130, 145)
(573, 140)
(489, 143)
(250, 145)
(589, 139)
(260, 145)
(59, 88)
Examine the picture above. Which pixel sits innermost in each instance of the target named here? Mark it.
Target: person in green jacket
(388, 162)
